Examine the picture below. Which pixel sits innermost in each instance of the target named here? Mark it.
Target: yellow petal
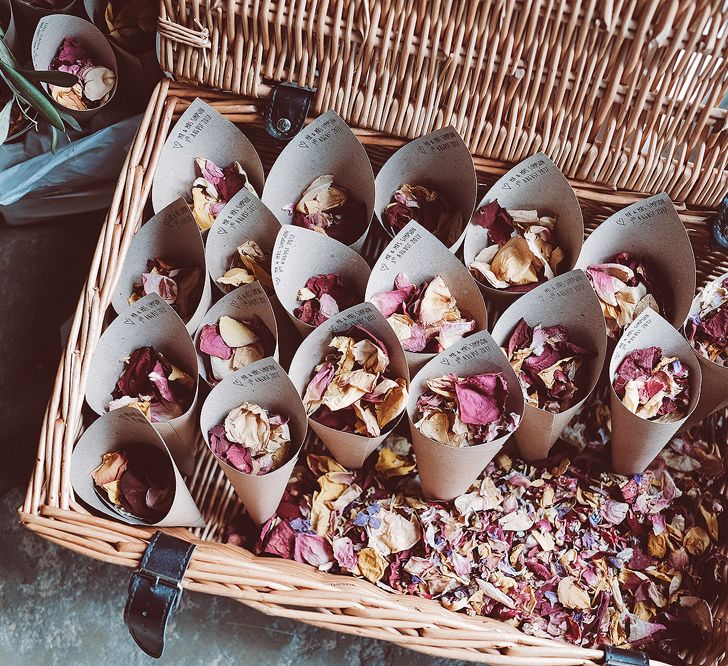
(513, 262)
(389, 464)
(572, 595)
(372, 564)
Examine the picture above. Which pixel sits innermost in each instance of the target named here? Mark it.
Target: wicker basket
(624, 140)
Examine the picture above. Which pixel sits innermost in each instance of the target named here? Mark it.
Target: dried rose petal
(707, 328)
(465, 411)
(653, 386)
(149, 378)
(426, 207)
(546, 363)
(214, 187)
(95, 83)
(426, 318)
(330, 209)
(351, 390)
(324, 296)
(179, 287)
(521, 251)
(252, 439)
(137, 481)
(625, 286)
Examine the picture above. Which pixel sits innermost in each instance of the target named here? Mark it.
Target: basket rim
(342, 603)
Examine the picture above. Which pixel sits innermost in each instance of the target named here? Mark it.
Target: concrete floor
(57, 607)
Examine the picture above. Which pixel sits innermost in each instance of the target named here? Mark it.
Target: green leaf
(69, 120)
(63, 79)
(32, 95)
(6, 54)
(54, 140)
(5, 120)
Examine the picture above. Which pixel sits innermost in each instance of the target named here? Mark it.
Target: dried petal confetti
(179, 287)
(625, 286)
(426, 318)
(522, 251)
(322, 297)
(252, 439)
(138, 482)
(547, 365)
(95, 83)
(350, 390)
(559, 549)
(465, 411)
(249, 263)
(707, 329)
(229, 345)
(330, 209)
(213, 187)
(426, 207)
(653, 386)
(153, 385)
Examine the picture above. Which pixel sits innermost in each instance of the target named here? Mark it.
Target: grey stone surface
(58, 608)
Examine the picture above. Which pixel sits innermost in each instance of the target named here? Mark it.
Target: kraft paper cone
(150, 322)
(534, 184)
(568, 300)
(244, 218)
(264, 383)
(201, 132)
(326, 146)
(637, 441)
(446, 472)
(50, 33)
(111, 432)
(652, 229)
(171, 234)
(421, 256)
(349, 449)
(245, 303)
(439, 161)
(299, 254)
(714, 388)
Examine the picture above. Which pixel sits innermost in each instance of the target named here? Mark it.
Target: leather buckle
(160, 579)
(155, 590)
(286, 111)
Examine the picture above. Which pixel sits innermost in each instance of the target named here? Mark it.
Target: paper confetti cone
(567, 300)
(446, 471)
(637, 441)
(149, 322)
(113, 432)
(439, 161)
(263, 383)
(536, 183)
(417, 253)
(324, 147)
(349, 449)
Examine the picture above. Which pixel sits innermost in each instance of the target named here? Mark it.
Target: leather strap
(619, 657)
(286, 111)
(155, 590)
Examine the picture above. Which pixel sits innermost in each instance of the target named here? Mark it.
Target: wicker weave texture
(275, 587)
(617, 92)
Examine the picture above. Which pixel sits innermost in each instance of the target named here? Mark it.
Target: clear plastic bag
(37, 185)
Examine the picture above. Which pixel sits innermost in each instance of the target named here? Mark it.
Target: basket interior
(49, 495)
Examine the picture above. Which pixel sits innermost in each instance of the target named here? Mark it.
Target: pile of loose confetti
(561, 550)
